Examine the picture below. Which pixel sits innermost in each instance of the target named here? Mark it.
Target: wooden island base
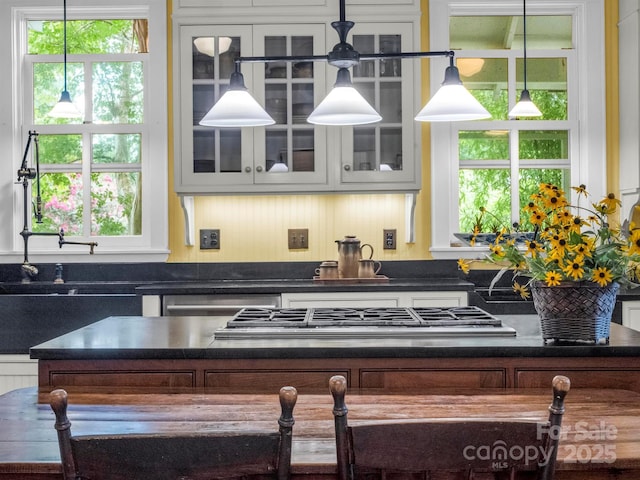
(601, 427)
(393, 374)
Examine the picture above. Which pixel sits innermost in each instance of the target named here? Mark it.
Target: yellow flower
(559, 246)
(610, 202)
(552, 279)
(530, 207)
(602, 276)
(564, 216)
(633, 243)
(554, 201)
(593, 219)
(581, 190)
(521, 290)
(575, 268)
(497, 250)
(533, 247)
(576, 224)
(464, 265)
(585, 248)
(537, 217)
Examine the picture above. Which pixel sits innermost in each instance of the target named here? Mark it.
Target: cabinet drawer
(580, 378)
(171, 379)
(271, 380)
(435, 378)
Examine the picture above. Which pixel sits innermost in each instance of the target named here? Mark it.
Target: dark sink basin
(68, 288)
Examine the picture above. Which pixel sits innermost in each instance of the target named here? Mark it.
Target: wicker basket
(575, 312)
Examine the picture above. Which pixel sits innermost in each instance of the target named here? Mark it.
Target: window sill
(101, 255)
(453, 253)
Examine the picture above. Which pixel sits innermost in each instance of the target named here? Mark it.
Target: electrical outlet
(210, 239)
(389, 240)
(298, 238)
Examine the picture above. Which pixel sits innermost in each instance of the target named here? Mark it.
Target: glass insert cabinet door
(292, 150)
(207, 156)
(384, 151)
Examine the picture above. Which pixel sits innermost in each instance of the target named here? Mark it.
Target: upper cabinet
(293, 156)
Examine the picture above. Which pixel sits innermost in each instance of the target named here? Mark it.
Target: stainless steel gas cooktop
(350, 323)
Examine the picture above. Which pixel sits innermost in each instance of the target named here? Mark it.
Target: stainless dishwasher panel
(208, 305)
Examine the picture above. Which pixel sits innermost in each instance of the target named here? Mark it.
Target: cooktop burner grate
(270, 317)
(362, 317)
(357, 317)
(362, 323)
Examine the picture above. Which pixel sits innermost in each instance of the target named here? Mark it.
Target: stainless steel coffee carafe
(349, 256)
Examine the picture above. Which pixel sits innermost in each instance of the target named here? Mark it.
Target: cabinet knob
(259, 168)
(347, 167)
(247, 169)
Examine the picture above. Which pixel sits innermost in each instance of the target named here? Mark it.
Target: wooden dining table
(600, 436)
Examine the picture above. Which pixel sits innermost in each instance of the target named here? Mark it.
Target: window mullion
(514, 155)
(86, 183)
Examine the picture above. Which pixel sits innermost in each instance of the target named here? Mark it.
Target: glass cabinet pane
(379, 147)
(213, 60)
(289, 96)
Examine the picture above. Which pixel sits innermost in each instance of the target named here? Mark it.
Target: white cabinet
(293, 156)
(631, 314)
(234, 160)
(17, 371)
(375, 299)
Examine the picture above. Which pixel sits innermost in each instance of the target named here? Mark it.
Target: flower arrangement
(567, 246)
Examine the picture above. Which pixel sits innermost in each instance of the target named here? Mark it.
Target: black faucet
(25, 173)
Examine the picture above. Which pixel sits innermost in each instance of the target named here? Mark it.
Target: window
(498, 163)
(103, 177)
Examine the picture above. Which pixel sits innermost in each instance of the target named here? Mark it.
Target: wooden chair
(172, 456)
(437, 449)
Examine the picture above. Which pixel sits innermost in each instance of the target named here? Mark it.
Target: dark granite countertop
(299, 285)
(133, 337)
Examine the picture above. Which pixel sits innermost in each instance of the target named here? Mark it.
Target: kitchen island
(182, 354)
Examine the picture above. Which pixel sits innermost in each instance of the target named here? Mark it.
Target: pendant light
(237, 108)
(525, 106)
(65, 107)
(452, 102)
(344, 105)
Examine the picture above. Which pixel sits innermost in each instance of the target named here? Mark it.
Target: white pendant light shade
(344, 105)
(525, 107)
(452, 102)
(207, 45)
(65, 108)
(279, 168)
(237, 108)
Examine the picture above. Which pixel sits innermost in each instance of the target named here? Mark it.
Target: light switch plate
(298, 238)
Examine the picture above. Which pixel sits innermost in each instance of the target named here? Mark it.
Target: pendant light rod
(363, 56)
(64, 40)
(524, 41)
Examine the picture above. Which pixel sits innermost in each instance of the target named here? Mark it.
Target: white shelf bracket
(410, 200)
(186, 202)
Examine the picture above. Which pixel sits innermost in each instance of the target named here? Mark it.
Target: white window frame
(15, 101)
(586, 87)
